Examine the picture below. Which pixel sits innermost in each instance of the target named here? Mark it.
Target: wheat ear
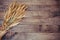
(12, 17)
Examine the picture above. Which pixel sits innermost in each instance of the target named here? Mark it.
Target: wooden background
(41, 21)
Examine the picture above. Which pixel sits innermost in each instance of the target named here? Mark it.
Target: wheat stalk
(12, 17)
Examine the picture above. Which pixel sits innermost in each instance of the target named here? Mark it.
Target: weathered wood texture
(42, 16)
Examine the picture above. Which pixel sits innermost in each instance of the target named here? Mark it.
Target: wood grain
(42, 16)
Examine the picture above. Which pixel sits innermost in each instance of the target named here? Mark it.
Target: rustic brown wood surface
(41, 21)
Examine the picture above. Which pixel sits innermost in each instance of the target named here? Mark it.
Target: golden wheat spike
(12, 17)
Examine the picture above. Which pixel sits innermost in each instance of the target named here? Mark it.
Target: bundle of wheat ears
(12, 17)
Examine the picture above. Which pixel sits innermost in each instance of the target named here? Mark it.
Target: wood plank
(36, 36)
(38, 2)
